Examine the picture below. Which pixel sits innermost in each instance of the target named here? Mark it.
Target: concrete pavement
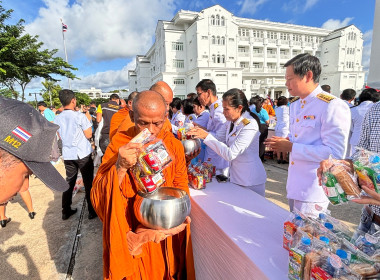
(50, 248)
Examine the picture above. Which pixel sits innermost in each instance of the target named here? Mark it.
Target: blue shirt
(49, 114)
(75, 145)
(263, 115)
(203, 118)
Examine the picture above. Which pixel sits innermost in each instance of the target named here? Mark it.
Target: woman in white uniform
(178, 119)
(241, 145)
(188, 111)
(282, 124)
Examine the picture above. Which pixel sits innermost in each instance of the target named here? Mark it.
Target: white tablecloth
(237, 234)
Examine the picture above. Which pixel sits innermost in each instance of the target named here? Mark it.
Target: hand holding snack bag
(367, 167)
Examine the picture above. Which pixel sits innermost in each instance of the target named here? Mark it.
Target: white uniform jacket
(203, 118)
(282, 123)
(241, 149)
(319, 126)
(215, 126)
(357, 116)
(178, 119)
(190, 118)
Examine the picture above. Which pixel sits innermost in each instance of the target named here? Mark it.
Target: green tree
(6, 92)
(22, 57)
(100, 100)
(82, 98)
(51, 93)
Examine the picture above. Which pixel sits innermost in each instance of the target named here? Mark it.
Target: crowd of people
(309, 127)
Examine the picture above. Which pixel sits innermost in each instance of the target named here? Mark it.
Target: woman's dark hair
(282, 100)
(176, 103)
(196, 102)
(369, 94)
(236, 97)
(187, 106)
(258, 102)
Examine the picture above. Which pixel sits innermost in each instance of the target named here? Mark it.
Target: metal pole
(64, 46)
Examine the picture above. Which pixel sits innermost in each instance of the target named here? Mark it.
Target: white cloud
(299, 6)
(367, 37)
(250, 6)
(333, 24)
(100, 29)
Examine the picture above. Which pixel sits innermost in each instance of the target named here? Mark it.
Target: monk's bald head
(149, 111)
(164, 89)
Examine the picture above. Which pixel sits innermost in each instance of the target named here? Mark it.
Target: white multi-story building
(97, 93)
(244, 53)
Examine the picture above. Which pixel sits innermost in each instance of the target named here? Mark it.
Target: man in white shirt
(317, 130)
(348, 95)
(75, 131)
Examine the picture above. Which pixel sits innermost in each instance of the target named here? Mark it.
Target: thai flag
(64, 27)
(22, 133)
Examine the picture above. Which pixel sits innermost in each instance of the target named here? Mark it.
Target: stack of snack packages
(152, 160)
(182, 130)
(199, 174)
(325, 248)
(367, 167)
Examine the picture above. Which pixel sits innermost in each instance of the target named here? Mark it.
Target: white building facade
(244, 53)
(97, 93)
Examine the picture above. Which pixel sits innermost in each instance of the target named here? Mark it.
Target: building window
(231, 57)
(271, 35)
(296, 37)
(256, 65)
(231, 39)
(234, 75)
(253, 81)
(214, 58)
(222, 21)
(241, 49)
(178, 63)
(213, 40)
(212, 20)
(243, 32)
(258, 34)
(217, 20)
(218, 58)
(223, 59)
(284, 36)
(204, 56)
(207, 74)
(222, 41)
(179, 81)
(204, 37)
(177, 46)
(218, 40)
(243, 64)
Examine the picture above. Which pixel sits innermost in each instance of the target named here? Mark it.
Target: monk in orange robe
(129, 250)
(122, 116)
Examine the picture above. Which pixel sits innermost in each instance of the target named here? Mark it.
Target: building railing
(243, 38)
(271, 55)
(258, 54)
(243, 54)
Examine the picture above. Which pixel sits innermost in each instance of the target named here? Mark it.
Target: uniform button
(295, 135)
(302, 106)
(292, 163)
(298, 120)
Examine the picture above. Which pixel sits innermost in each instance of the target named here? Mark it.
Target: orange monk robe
(172, 258)
(119, 117)
(269, 109)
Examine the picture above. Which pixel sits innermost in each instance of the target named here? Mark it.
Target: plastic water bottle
(298, 221)
(322, 218)
(333, 265)
(305, 245)
(325, 239)
(343, 256)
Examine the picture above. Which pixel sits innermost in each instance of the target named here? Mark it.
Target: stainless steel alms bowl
(191, 145)
(164, 209)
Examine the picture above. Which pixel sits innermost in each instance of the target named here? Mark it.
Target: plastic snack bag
(338, 184)
(147, 183)
(367, 167)
(154, 158)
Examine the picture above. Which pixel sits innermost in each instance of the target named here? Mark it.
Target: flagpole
(64, 46)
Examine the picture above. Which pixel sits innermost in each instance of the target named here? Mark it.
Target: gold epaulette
(325, 97)
(245, 121)
(216, 105)
(191, 117)
(294, 99)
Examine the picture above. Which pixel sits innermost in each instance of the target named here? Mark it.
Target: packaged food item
(197, 181)
(367, 167)
(182, 131)
(289, 231)
(154, 158)
(145, 136)
(147, 183)
(297, 259)
(338, 184)
(366, 242)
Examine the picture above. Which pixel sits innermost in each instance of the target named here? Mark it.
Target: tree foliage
(100, 100)
(51, 93)
(82, 98)
(22, 57)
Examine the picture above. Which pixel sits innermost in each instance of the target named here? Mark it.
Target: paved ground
(49, 248)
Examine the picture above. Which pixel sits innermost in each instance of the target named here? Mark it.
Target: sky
(104, 36)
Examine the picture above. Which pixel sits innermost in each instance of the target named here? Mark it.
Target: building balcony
(258, 54)
(246, 69)
(260, 40)
(243, 38)
(285, 56)
(243, 54)
(257, 70)
(272, 41)
(255, 86)
(271, 55)
(272, 70)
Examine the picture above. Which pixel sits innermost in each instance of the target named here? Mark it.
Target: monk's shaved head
(164, 89)
(149, 111)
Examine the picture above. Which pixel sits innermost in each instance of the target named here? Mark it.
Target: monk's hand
(178, 229)
(197, 132)
(127, 156)
(141, 236)
(192, 155)
(279, 144)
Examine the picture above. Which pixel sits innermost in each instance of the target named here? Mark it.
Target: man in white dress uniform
(319, 127)
(206, 91)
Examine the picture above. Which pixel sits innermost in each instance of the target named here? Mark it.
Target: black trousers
(104, 141)
(86, 167)
(263, 136)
